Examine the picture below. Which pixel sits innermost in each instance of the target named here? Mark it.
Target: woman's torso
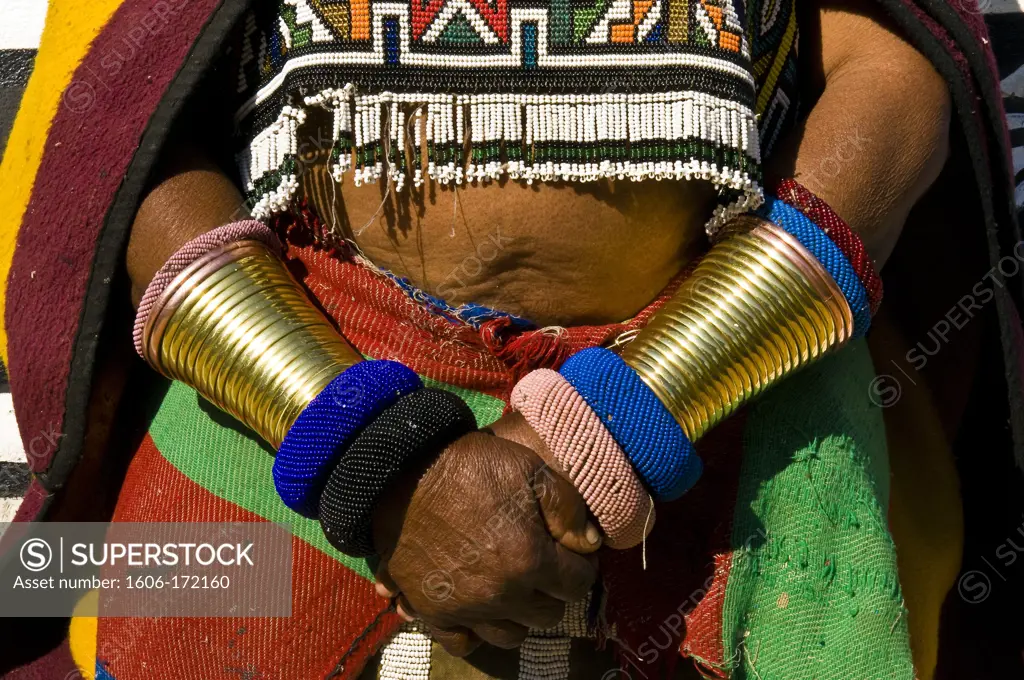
(556, 254)
(573, 109)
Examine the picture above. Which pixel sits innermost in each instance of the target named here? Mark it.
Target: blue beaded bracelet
(657, 447)
(325, 428)
(827, 253)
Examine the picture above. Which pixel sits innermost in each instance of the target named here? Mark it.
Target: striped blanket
(112, 76)
(787, 528)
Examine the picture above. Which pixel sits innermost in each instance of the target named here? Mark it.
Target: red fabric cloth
(55, 665)
(331, 606)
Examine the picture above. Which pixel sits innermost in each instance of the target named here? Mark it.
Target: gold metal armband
(237, 327)
(758, 307)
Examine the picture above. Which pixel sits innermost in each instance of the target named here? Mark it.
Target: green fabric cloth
(813, 589)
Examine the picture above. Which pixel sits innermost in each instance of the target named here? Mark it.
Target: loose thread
(339, 668)
(746, 655)
(903, 605)
(647, 522)
(625, 338)
(455, 210)
(386, 146)
(373, 217)
(334, 208)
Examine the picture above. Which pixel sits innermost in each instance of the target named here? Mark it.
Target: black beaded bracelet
(417, 425)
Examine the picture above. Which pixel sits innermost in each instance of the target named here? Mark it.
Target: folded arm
(878, 133)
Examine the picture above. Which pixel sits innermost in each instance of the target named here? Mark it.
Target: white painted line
(8, 506)
(11, 450)
(1000, 6)
(22, 24)
(1013, 84)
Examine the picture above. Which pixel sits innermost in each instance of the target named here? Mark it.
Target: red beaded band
(587, 453)
(818, 211)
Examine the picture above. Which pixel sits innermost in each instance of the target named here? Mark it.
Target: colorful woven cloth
(86, 139)
(817, 542)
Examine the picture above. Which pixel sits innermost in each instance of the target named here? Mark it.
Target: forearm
(877, 136)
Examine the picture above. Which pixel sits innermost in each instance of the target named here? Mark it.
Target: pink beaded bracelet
(588, 454)
(189, 253)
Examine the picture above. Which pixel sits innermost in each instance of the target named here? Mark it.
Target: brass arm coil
(237, 327)
(756, 308)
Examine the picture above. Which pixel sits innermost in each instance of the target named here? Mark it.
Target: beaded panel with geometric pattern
(458, 91)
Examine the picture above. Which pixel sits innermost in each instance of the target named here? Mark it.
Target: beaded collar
(531, 90)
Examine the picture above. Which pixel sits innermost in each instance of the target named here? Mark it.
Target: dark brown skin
(194, 197)
(511, 567)
(874, 140)
(557, 254)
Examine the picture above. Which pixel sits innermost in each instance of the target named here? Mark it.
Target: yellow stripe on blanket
(71, 26)
(82, 634)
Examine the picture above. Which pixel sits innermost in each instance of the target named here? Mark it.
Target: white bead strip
(544, 654)
(515, 122)
(544, 658)
(268, 153)
(407, 655)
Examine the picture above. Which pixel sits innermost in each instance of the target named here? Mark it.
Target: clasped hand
(486, 542)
